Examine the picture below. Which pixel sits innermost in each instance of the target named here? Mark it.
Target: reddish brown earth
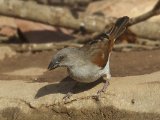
(122, 64)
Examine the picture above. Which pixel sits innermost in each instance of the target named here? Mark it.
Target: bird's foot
(99, 93)
(67, 96)
(97, 96)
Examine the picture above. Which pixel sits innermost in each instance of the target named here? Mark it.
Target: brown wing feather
(98, 50)
(99, 59)
(100, 56)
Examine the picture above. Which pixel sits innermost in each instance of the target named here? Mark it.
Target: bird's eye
(60, 58)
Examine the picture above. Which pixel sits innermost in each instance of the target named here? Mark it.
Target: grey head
(66, 57)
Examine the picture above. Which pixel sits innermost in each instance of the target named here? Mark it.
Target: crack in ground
(84, 98)
(21, 100)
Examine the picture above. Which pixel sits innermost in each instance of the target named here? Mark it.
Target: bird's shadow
(65, 86)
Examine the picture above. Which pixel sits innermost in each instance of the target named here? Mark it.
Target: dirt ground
(32, 66)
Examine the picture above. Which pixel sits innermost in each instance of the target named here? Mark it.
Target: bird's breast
(86, 73)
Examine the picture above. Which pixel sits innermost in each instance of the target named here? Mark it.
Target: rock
(8, 26)
(149, 30)
(115, 8)
(7, 21)
(40, 33)
(126, 7)
(119, 8)
(8, 32)
(131, 97)
(6, 52)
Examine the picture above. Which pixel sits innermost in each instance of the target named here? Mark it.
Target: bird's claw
(96, 97)
(100, 92)
(67, 96)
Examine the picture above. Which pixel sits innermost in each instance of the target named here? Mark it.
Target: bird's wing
(98, 50)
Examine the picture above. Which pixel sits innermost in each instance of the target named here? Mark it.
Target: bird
(90, 62)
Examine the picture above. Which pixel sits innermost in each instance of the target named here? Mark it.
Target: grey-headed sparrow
(90, 62)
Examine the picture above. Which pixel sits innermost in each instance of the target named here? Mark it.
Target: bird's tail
(118, 28)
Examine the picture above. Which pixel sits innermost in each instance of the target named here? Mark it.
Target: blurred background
(32, 31)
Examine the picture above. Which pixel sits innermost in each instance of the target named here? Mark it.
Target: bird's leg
(107, 69)
(69, 94)
(104, 86)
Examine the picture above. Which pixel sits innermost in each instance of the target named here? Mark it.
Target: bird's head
(63, 58)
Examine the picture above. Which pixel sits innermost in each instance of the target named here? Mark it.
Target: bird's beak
(53, 65)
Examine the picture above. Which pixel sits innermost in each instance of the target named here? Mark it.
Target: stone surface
(118, 8)
(6, 52)
(7, 27)
(41, 33)
(132, 97)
